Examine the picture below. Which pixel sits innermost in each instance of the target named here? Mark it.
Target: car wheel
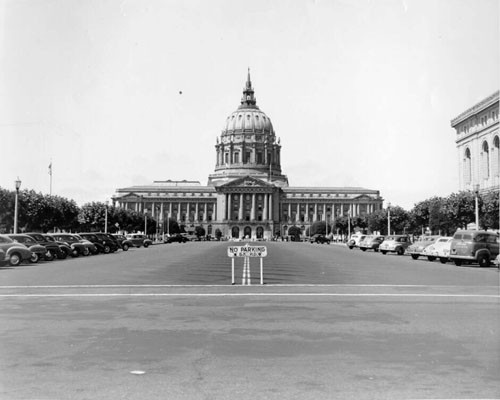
(458, 263)
(383, 252)
(74, 253)
(107, 249)
(483, 260)
(414, 256)
(351, 247)
(443, 260)
(15, 259)
(362, 248)
(146, 245)
(125, 247)
(401, 251)
(62, 255)
(431, 258)
(34, 258)
(375, 250)
(86, 251)
(48, 256)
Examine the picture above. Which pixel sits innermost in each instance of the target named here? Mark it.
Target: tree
(218, 234)
(199, 231)
(488, 211)
(295, 232)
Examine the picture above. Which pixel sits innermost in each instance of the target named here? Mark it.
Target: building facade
(247, 195)
(478, 145)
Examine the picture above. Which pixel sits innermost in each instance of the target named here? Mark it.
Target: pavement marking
(491, 296)
(226, 285)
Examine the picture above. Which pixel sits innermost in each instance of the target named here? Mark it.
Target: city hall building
(478, 145)
(247, 195)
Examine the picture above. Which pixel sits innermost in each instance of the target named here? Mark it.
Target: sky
(122, 93)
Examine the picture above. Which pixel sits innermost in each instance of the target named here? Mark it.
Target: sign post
(247, 252)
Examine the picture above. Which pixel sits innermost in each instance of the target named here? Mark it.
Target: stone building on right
(478, 145)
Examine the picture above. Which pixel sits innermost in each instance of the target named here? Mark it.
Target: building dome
(247, 145)
(248, 120)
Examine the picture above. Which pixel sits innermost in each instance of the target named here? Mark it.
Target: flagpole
(50, 173)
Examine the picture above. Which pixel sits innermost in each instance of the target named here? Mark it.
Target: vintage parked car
(77, 248)
(139, 240)
(52, 247)
(177, 237)
(123, 242)
(354, 240)
(66, 249)
(92, 238)
(110, 244)
(88, 244)
(15, 253)
(472, 246)
(319, 238)
(416, 249)
(440, 249)
(371, 242)
(38, 251)
(395, 244)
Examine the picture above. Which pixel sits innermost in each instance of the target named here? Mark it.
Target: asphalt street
(329, 322)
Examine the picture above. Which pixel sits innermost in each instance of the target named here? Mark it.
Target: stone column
(289, 211)
(324, 212)
(240, 211)
(297, 218)
(205, 213)
(229, 211)
(271, 214)
(264, 214)
(252, 212)
(196, 212)
(315, 218)
(306, 216)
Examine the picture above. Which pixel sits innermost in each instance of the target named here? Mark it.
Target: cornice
(488, 101)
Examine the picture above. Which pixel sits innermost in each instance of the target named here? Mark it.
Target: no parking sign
(247, 251)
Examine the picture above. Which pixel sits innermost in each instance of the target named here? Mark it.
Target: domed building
(248, 144)
(247, 195)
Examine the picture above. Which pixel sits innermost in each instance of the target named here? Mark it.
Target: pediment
(247, 182)
(363, 197)
(127, 196)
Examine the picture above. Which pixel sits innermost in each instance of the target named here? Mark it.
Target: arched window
(485, 160)
(496, 157)
(467, 164)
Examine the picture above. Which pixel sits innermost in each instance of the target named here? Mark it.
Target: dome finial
(249, 82)
(248, 99)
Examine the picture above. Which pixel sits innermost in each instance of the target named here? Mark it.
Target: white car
(354, 240)
(440, 249)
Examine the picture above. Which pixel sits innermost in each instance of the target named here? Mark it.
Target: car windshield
(38, 237)
(25, 240)
(49, 238)
(463, 236)
(5, 239)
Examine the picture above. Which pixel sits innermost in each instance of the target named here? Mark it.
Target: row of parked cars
(34, 246)
(464, 247)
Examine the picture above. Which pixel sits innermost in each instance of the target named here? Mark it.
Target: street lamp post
(476, 192)
(18, 185)
(106, 218)
(388, 218)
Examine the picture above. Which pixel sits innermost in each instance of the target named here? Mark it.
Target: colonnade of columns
(320, 209)
(267, 211)
(166, 209)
